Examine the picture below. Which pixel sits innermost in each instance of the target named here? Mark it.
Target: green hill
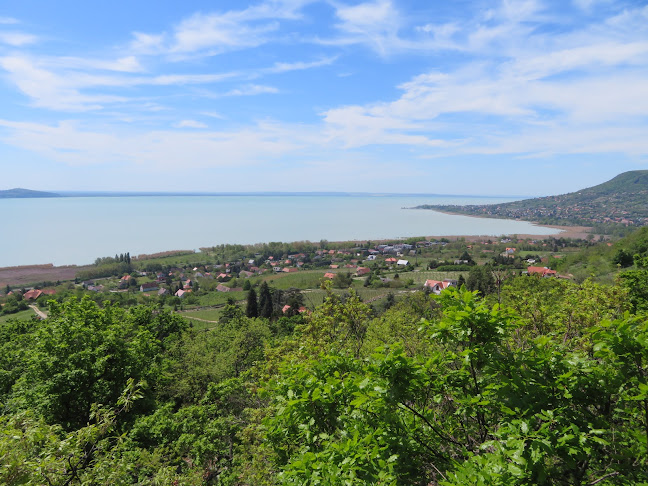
(620, 201)
(25, 193)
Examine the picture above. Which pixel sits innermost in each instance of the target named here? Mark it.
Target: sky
(525, 97)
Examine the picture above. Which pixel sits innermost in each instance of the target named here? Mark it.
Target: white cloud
(17, 39)
(252, 90)
(217, 32)
(63, 89)
(71, 144)
(128, 64)
(190, 124)
(283, 67)
(50, 90)
(8, 20)
(374, 23)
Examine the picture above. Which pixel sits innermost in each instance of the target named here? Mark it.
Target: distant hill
(24, 193)
(620, 201)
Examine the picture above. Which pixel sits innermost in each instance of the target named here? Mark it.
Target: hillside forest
(505, 378)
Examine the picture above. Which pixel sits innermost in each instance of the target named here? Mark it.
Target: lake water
(77, 230)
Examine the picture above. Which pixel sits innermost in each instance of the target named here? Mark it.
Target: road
(38, 312)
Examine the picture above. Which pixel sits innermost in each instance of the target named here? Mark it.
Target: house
(371, 257)
(163, 292)
(329, 275)
(541, 271)
(245, 273)
(290, 270)
(390, 260)
(32, 294)
(149, 287)
(223, 288)
(402, 263)
(360, 271)
(181, 293)
(285, 308)
(334, 266)
(436, 286)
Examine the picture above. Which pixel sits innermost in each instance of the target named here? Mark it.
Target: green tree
(481, 279)
(265, 301)
(251, 309)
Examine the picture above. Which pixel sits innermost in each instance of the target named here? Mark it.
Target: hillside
(622, 200)
(25, 193)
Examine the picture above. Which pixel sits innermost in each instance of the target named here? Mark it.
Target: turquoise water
(77, 230)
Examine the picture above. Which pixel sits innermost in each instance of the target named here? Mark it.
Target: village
(200, 284)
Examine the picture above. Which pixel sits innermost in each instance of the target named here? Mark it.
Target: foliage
(544, 382)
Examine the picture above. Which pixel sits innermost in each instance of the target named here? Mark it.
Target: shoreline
(28, 274)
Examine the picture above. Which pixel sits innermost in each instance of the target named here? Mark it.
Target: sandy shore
(573, 232)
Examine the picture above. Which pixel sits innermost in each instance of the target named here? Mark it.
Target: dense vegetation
(526, 380)
(618, 203)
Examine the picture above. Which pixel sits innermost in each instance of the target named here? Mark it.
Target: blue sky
(525, 97)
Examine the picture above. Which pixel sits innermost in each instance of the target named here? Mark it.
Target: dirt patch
(31, 274)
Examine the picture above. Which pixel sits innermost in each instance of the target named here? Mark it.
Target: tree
(252, 309)
(342, 280)
(481, 279)
(265, 301)
(82, 354)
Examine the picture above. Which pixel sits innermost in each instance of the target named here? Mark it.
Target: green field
(22, 315)
(220, 298)
(422, 276)
(307, 279)
(205, 315)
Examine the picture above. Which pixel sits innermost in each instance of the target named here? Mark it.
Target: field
(22, 315)
(28, 274)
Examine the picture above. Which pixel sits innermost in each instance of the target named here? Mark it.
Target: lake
(77, 230)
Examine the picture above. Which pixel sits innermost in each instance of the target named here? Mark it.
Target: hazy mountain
(18, 192)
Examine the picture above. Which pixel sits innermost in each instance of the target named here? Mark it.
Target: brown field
(29, 274)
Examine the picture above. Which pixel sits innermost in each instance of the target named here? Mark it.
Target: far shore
(28, 274)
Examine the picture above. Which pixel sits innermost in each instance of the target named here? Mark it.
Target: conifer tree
(252, 309)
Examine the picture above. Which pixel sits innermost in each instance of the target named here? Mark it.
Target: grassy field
(219, 298)
(313, 298)
(307, 279)
(22, 315)
(204, 315)
(422, 276)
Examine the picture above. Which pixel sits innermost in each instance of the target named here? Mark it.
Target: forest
(530, 381)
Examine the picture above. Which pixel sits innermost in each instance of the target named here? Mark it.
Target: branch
(609, 475)
(429, 424)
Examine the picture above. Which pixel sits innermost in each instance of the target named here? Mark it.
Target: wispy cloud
(190, 124)
(8, 21)
(217, 32)
(63, 89)
(252, 90)
(17, 39)
(284, 67)
(72, 144)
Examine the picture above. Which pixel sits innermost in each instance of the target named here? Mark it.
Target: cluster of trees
(520, 380)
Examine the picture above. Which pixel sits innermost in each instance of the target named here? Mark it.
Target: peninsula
(620, 201)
